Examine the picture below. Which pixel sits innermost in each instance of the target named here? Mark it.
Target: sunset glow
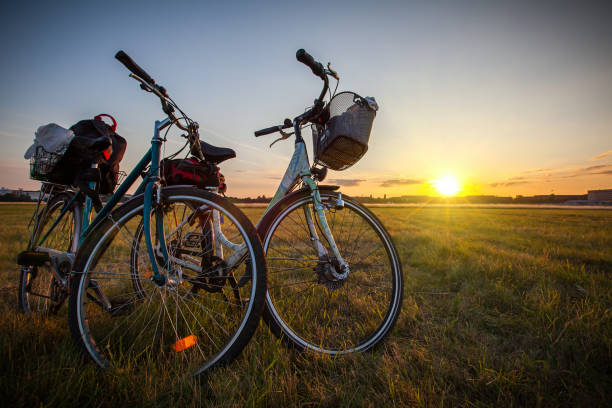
(447, 186)
(507, 100)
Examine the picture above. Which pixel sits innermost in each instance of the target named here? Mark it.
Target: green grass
(502, 307)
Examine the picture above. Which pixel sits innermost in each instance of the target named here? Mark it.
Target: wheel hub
(325, 274)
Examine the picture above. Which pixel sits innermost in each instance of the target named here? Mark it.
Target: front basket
(343, 139)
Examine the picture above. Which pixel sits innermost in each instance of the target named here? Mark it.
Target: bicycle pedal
(32, 258)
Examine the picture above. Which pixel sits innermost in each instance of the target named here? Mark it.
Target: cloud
(587, 171)
(400, 182)
(599, 166)
(538, 176)
(538, 171)
(509, 183)
(347, 182)
(601, 156)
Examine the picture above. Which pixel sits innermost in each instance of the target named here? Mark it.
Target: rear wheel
(205, 312)
(39, 289)
(306, 304)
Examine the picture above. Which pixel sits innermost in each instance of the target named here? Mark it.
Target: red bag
(191, 172)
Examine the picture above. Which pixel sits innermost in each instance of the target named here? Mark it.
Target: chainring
(212, 277)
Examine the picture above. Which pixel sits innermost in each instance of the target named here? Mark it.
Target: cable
(330, 94)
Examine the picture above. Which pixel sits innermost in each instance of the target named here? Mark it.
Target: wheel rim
(355, 315)
(170, 325)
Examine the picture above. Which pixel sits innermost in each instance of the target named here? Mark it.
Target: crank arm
(101, 299)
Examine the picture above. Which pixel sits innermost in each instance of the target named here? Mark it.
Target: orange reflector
(185, 343)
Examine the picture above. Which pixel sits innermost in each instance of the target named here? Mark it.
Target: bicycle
(335, 281)
(182, 292)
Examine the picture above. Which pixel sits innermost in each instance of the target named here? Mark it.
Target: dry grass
(502, 307)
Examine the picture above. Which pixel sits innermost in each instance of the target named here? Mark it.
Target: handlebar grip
(306, 59)
(267, 131)
(132, 66)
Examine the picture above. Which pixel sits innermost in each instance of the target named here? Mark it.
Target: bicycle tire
(307, 309)
(123, 335)
(39, 292)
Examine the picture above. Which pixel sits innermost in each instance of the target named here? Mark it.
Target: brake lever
(158, 90)
(331, 72)
(284, 136)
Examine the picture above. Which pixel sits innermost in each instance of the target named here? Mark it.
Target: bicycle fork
(342, 268)
(153, 192)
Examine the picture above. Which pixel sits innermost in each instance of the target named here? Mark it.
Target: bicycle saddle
(216, 154)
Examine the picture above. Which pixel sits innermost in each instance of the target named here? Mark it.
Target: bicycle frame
(299, 169)
(150, 188)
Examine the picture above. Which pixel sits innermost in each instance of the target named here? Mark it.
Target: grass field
(502, 307)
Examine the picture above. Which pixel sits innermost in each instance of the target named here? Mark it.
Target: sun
(447, 185)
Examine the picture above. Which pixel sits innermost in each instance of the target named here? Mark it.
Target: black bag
(192, 172)
(109, 168)
(94, 142)
(92, 138)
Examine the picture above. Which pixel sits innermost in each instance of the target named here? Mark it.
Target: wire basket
(343, 139)
(42, 164)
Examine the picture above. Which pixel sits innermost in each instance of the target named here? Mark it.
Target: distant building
(549, 199)
(600, 195)
(578, 202)
(33, 194)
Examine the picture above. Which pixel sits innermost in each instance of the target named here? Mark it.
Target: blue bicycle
(175, 276)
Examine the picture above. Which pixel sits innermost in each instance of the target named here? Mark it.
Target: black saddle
(216, 154)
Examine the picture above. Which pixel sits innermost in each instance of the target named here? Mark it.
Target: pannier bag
(191, 172)
(92, 141)
(343, 139)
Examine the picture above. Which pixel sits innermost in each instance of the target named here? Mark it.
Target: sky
(507, 97)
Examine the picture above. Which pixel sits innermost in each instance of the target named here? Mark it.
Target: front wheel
(203, 315)
(306, 305)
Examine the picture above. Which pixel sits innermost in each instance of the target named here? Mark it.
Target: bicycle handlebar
(148, 84)
(307, 59)
(317, 69)
(134, 68)
(272, 129)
